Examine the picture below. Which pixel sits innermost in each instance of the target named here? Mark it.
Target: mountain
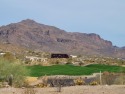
(35, 36)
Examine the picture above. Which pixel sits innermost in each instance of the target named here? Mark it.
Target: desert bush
(108, 78)
(69, 60)
(79, 81)
(12, 72)
(120, 80)
(27, 61)
(94, 83)
(41, 85)
(45, 79)
(121, 77)
(106, 73)
(9, 56)
(43, 82)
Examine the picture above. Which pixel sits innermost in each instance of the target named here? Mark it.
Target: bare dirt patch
(113, 89)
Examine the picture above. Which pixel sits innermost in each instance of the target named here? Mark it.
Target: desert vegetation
(12, 73)
(18, 71)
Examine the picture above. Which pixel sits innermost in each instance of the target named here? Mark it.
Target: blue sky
(103, 17)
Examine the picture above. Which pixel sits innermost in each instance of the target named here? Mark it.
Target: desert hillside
(35, 36)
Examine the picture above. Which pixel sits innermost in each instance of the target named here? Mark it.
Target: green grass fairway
(37, 71)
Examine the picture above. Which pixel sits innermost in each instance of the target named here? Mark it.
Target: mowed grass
(37, 70)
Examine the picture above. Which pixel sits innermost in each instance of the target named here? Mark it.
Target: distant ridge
(35, 36)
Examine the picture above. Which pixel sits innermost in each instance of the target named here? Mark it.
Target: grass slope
(37, 71)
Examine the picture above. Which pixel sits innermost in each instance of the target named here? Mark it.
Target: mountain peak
(28, 21)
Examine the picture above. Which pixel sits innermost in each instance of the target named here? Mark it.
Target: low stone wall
(64, 80)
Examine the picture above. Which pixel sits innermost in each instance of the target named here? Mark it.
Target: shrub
(108, 78)
(41, 85)
(94, 83)
(120, 80)
(8, 56)
(12, 72)
(79, 81)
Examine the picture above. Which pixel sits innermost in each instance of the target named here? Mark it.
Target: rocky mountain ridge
(35, 36)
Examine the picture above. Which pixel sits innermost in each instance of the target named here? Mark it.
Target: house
(59, 56)
(2, 53)
(73, 56)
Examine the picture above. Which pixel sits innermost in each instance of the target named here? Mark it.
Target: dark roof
(59, 56)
